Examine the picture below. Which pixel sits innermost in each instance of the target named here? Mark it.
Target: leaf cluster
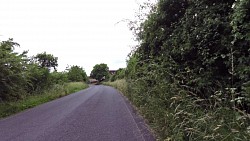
(190, 71)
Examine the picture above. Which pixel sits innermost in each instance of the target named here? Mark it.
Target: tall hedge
(203, 45)
(193, 60)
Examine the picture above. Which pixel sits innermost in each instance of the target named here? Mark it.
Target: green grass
(121, 85)
(175, 116)
(10, 108)
(75, 87)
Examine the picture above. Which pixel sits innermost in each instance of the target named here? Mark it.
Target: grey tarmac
(98, 113)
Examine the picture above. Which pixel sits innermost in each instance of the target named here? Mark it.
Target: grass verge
(57, 91)
(174, 115)
(121, 85)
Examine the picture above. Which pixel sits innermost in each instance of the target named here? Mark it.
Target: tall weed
(175, 114)
(121, 85)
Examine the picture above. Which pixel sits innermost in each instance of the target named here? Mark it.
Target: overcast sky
(78, 32)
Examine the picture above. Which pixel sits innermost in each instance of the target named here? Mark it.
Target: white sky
(78, 32)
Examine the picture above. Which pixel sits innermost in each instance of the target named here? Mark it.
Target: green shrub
(190, 73)
(77, 74)
(13, 77)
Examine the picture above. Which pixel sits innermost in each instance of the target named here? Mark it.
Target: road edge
(141, 123)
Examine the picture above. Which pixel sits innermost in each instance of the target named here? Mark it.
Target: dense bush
(12, 71)
(100, 72)
(119, 74)
(59, 77)
(77, 74)
(21, 75)
(190, 74)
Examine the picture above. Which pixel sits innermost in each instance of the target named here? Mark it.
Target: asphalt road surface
(98, 113)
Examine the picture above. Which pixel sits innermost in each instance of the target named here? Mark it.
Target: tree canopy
(46, 60)
(100, 72)
(77, 74)
(12, 71)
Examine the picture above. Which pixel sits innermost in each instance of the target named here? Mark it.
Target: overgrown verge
(120, 84)
(57, 91)
(190, 73)
(175, 115)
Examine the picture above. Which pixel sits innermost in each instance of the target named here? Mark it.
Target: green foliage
(39, 78)
(21, 76)
(38, 70)
(12, 71)
(46, 60)
(119, 74)
(239, 22)
(131, 67)
(73, 87)
(59, 77)
(241, 42)
(57, 91)
(190, 73)
(100, 72)
(77, 74)
(120, 84)
(178, 114)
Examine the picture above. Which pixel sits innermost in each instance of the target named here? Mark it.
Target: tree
(77, 74)
(100, 72)
(40, 78)
(59, 77)
(46, 60)
(39, 71)
(119, 74)
(12, 71)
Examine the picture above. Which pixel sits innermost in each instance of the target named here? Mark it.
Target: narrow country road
(98, 113)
